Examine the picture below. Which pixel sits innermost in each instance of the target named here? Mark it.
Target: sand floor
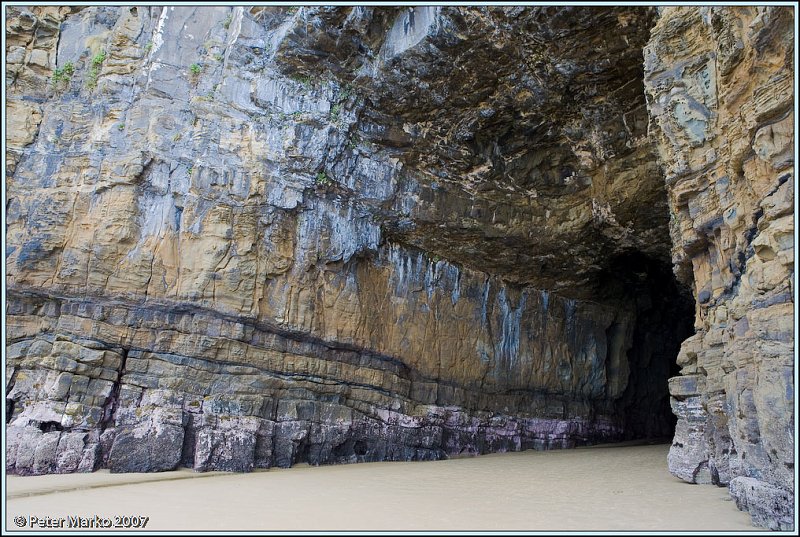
(598, 488)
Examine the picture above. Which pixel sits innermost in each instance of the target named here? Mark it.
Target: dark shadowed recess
(664, 318)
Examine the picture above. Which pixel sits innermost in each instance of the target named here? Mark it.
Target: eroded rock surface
(240, 238)
(720, 90)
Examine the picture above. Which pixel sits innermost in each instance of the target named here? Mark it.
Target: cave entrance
(664, 311)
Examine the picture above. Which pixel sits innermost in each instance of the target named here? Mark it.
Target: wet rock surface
(242, 238)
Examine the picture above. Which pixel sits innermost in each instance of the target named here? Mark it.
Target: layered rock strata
(240, 238)
(720, 87)
(213, 216)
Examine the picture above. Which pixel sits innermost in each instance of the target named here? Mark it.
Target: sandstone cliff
(720, 86)
(242, 237)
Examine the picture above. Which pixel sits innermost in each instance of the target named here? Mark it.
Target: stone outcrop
(720, 86)
(242, 238)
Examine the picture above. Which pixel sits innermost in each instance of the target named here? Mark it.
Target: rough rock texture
(240, 238)
(720, 90)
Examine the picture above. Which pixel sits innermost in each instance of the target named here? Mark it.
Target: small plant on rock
(346, 92)
(68, 69)
(63, 74)
(94, 69)
(323, 180)
(99, 58)
(336, 109)
(194, 73)
(302, 79)
(353, 142)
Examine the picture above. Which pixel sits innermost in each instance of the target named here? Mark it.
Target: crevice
(50, 426)
(112, 402)
(188, 448)
(360, 448)
(10, 403)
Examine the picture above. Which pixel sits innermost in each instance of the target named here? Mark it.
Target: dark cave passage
(664, 312)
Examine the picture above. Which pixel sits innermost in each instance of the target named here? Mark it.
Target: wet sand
(598, 488)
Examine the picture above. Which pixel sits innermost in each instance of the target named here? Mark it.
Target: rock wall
(720, 87)
(212, 222)
(240, 238)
